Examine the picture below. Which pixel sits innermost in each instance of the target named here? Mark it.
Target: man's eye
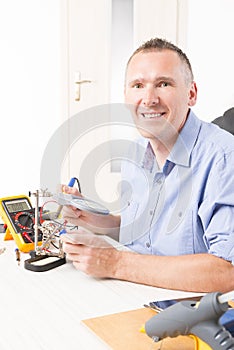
(137, 86)
(164, 84)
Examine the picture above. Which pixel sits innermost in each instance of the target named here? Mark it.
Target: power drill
(199, 319)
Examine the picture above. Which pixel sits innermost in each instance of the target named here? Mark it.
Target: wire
(78, 184)
(79, 189)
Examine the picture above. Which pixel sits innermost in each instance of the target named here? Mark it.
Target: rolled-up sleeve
(217, 209)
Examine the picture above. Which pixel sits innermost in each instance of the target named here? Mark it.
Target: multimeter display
(17, 205)
(19, 216)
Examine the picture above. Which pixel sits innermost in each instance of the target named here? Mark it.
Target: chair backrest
(226, 122)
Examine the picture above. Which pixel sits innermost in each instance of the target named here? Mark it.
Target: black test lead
(17, 253)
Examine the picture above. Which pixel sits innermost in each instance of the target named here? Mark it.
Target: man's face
(158, 92)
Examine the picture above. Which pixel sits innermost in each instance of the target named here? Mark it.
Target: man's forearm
(198, 272)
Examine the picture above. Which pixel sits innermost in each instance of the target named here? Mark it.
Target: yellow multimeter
(19, 216)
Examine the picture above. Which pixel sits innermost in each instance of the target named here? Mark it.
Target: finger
(71, 211)
(72, 221)
(71, 190)
(81, 267)
(75, 238)
(85, 238)
(71, 215)
(72, 249)
(72, 257)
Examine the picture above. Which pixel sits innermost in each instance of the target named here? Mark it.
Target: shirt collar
(181, 151)
(148, 160)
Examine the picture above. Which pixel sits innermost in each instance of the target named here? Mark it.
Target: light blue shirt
(188, 206)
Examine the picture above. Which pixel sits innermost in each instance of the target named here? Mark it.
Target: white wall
(155, 18)
(29, 89)
(210, 49)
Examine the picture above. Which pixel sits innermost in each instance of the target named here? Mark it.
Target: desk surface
(44, 310)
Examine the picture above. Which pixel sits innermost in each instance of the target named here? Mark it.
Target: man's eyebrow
(156, 80)
(135, 81)
(165, 78)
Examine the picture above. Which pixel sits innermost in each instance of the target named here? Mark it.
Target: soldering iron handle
(71, 183)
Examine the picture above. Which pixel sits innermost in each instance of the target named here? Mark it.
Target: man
(178, 220)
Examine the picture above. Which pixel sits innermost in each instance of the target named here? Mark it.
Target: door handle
(78, 83)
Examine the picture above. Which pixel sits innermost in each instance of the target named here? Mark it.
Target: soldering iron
(70, 184)
(199, 319)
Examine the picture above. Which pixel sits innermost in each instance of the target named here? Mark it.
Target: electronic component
(17, 254)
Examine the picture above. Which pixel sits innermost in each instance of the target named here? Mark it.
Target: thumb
(70, 190)
(65, 189)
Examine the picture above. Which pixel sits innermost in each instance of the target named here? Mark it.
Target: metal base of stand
(42, 263)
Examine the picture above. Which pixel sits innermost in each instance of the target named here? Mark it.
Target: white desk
(43, 310)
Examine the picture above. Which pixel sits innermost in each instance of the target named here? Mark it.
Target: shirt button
(147, 244)
(151, 212)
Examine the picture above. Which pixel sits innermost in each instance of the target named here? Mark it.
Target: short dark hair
(157, 44)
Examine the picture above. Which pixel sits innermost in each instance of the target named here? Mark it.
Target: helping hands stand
(41, 259)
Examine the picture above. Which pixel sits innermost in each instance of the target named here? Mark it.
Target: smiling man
(178, 190)
(159, 88)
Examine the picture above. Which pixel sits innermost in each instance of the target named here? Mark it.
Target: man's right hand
(104, 224)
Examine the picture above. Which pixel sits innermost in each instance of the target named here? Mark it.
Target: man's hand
(72, 214)
(195, 273)
(90, 253)
(105, 224)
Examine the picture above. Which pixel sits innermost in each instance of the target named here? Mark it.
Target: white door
(99, 37)
(89, 81)
(86, 56)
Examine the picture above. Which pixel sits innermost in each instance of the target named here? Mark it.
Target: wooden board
(121, 331)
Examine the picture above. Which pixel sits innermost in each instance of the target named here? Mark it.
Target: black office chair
(226, 122)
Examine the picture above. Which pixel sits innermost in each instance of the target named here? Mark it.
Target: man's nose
(150, 97)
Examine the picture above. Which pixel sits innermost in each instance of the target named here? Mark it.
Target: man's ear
(192, 94)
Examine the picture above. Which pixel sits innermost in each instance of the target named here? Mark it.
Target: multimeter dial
(25, 220)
